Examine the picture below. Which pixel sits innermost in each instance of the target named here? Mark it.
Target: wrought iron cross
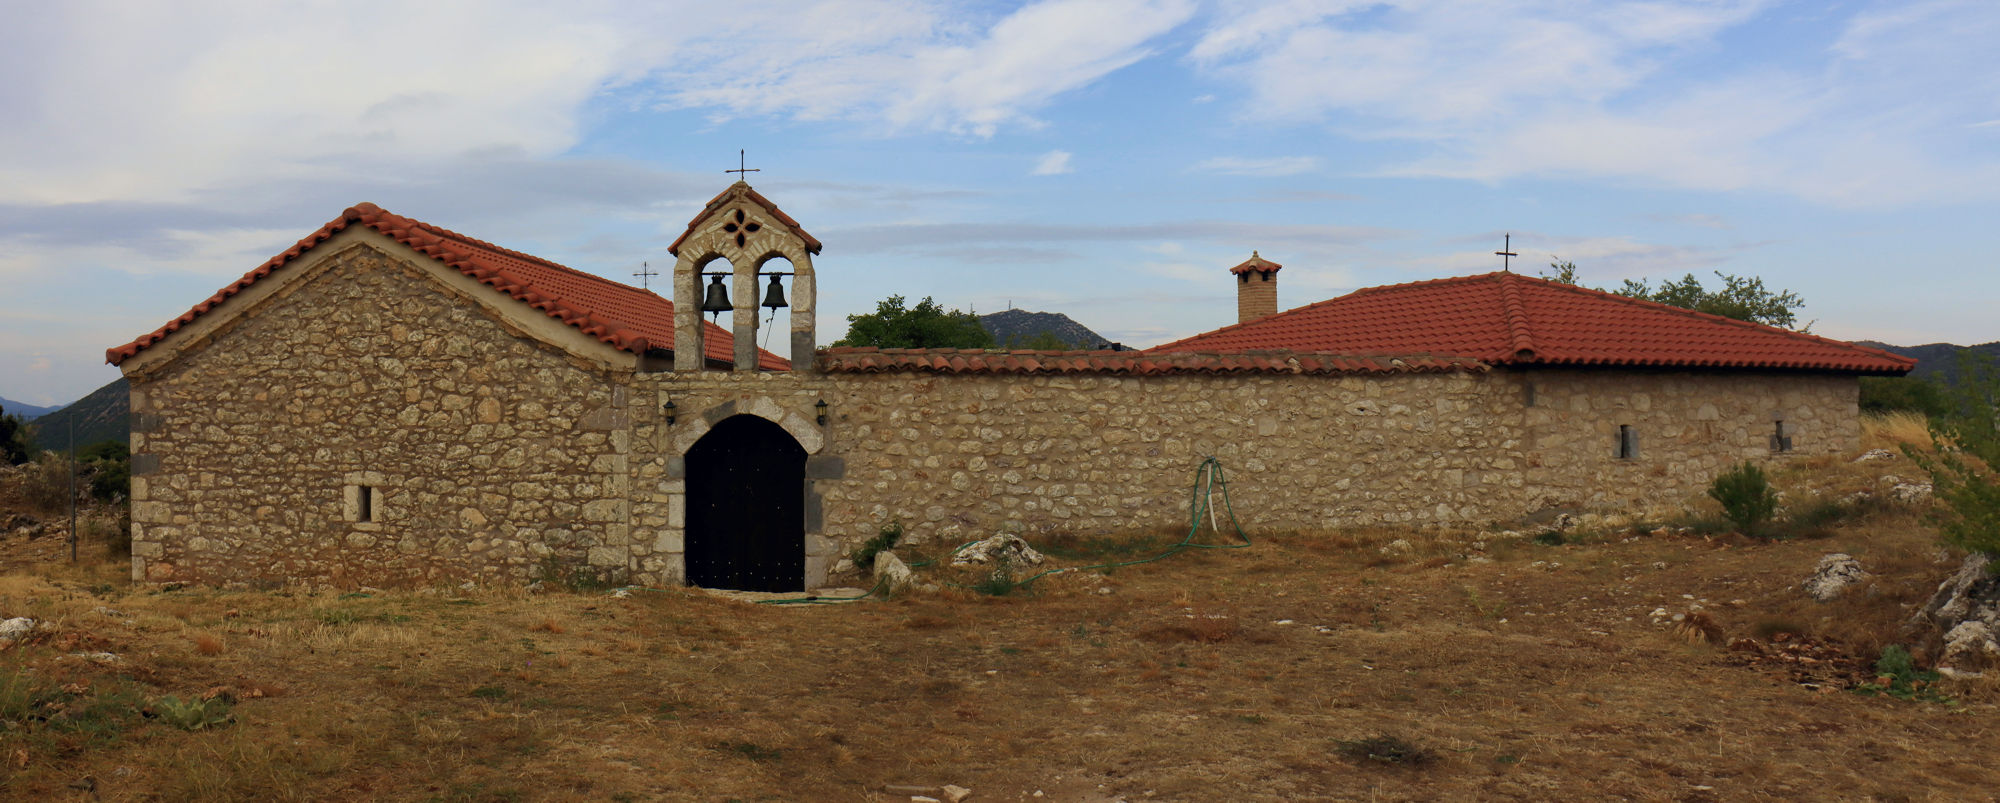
(644, 273)
(1506, 254)
(741, 170)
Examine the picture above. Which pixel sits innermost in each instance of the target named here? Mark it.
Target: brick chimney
(1256, 288)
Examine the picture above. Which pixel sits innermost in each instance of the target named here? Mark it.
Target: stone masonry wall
(495, 457)
(488, 451)
(958, 457)
(1689, 427)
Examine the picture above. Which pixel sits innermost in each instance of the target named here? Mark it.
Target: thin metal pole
(72, 487)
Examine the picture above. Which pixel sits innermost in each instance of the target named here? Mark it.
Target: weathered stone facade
(373, 417)
(487, 451)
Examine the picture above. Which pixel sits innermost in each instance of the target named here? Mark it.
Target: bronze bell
(775, 297)
(717, 301)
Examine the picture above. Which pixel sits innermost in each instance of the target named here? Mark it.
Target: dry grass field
(1332, 665)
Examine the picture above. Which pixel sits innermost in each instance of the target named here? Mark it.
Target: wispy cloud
(1597, 92)
(1053, 163)
(1274, 166)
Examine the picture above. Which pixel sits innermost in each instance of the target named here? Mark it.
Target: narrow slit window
(1628, 442)
(1781, 438)
(365, 504)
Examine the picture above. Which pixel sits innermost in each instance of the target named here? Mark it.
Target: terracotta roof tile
(1128, 363)
(623, 316)
(743, 188)
(1256, 263)
(1509, 319)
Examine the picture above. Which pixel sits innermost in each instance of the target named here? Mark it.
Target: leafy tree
(13, 439)
(1883, 394)
(1562, 271)
(1742, 298)
(927, 325)
(1965, 450)
(110, 466)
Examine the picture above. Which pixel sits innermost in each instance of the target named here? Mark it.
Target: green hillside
(101, 416)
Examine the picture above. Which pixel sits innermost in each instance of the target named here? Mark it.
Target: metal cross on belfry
(1506, 254)
(644, 273)
(741, 170)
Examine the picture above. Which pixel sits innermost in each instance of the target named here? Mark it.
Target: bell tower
(747, 231)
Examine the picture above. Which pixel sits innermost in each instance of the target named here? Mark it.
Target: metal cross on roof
(644, 273)
(1506, 254)
(741, 170)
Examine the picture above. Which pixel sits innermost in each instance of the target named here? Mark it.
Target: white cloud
(1888, 112)
(1053, 163)
(1276, 166)
(903, 64)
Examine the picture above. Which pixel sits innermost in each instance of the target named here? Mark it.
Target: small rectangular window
(1528, 393)
(364, 503)
(1781, 438)
(1628, 442)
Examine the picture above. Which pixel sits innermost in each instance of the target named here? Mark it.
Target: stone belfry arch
(747, 230)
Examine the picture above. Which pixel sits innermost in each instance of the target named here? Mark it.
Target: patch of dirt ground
(1520, 671)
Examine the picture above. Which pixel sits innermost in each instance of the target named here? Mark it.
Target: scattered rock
(1399, 546)
(1832, 577)
(621, 593)
(1564, 523)
(1004, 545)
(843, 566)
(15, 629)
(1966, 608)
(955, 794)
(100, 657)
(1875, 454)
(892, 573)
(1911, 493)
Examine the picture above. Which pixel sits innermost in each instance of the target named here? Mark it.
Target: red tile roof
(1126, 363)
(1256, 263)
(1510, 319)
(742, 189)
(626, 317)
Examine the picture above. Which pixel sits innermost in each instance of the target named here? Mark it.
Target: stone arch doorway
(746, 507)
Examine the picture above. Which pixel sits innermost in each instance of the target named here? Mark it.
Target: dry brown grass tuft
(1895, 429)
(548, 625)
(207, 644)
(1698, 627)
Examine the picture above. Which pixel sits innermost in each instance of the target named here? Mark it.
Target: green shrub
(884, 540)
(1897, 675)
(1746, 497)
(1000, 582)
(1965, 451)
(194, 713)
(1387, 749)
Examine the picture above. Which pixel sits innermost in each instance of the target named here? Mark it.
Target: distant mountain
(1937, 362)
(1014, 328)
(26, 411)
(104, 415)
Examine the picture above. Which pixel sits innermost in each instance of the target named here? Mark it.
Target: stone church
(389, 402)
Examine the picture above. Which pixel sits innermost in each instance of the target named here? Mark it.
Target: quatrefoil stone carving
(741, 228)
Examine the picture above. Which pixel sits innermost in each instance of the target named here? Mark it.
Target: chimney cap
(1256, 263)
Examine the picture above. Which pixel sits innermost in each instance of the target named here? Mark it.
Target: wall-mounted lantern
(669, 409)
(821, 409)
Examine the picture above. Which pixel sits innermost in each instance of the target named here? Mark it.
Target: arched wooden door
(746, 507)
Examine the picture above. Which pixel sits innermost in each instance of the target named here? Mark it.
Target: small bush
(1000, 582)
(884, 540)
(1746, 497)
(1551, 538)
(193, 714)
(45, 482)
(1897, 675)
(1387, 749)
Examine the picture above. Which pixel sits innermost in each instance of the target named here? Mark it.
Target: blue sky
(1107, 159)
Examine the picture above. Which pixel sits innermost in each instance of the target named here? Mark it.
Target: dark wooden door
(746, 508)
